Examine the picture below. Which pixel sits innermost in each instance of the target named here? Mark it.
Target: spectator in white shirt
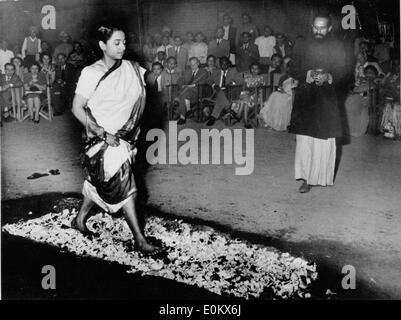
(31, 47)
(199, 48)
(266, 44)
(5, 54)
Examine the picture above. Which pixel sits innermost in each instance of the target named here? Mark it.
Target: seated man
(7, 81)
(171, 73)
(220, 81)
(189, 91)
(64, 83)
(153, 79)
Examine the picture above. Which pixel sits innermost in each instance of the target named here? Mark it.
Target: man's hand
(321, 78)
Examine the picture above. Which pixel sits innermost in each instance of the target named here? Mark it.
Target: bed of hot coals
(195, 254)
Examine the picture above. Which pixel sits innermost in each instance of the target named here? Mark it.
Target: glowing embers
(196, 255)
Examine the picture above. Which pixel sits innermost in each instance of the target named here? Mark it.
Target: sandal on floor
(37, 175)
(88, 234)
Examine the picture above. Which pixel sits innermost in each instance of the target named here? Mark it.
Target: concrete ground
(357, 222)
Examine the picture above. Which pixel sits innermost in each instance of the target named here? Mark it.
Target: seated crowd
(376, 78)
(36, 78)
(232, 75)
(240, 74)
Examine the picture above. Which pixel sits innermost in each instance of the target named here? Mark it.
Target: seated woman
(35, 84)
(249, 97)
(276, 112)
(47, 68)
(357, 103)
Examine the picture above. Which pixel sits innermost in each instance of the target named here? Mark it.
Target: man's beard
(319, 36)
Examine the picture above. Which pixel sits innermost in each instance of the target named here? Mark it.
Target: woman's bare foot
(147, 248)
(81, 227)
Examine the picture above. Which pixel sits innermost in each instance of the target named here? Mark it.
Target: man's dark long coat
(315, 110)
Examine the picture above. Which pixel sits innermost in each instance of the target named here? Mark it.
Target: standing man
(247, 53)
(64, 84)
(230, 34)
(219, 47)
(315, 116)
(179, 52)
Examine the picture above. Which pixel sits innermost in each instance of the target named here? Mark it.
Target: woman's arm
(40, 86)
(83, 114)
(78, 109)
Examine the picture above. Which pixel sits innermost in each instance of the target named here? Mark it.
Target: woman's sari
(110, 180)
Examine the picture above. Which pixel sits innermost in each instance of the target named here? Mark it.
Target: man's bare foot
(305, 187)
(81, 227)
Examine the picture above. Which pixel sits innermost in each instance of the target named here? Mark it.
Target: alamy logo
(49, 280)
(349, 20)
(205, 149)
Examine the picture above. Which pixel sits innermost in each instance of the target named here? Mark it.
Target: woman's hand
(112, 140)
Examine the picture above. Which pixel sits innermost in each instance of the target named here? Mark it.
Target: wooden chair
(45, 110)
(374, 111)
(172, 92)
(16, 101)
(205, 91)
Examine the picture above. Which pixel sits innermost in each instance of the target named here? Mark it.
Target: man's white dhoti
(315, 160)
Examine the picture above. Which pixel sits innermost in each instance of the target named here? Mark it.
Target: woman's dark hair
(45, 54)
(371, 68)
(77, 43)
(17, 58)
(8, 64)
(105, 33)
(253, 65)
(276, 55)
(35, 64)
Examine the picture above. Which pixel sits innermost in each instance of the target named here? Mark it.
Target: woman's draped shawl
(110, 169)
